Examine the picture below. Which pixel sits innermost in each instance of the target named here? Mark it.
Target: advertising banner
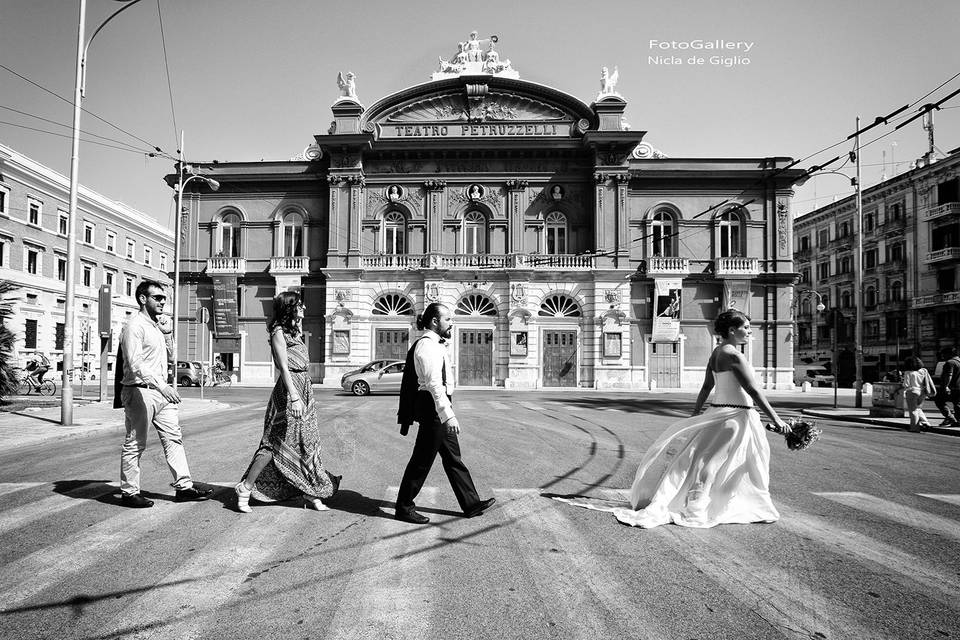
(666, 309)
(225, 312)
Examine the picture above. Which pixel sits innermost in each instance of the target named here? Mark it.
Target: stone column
(516, 190)
(435, 210)
(336, 239)
(622, 228)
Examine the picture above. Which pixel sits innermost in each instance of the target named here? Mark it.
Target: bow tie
(443, 341)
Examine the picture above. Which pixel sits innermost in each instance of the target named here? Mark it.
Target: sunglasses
(159, 298)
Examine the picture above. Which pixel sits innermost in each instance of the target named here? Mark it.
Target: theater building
(572, 253)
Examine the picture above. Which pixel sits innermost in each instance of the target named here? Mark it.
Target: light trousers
(914, 400)
(143, 407)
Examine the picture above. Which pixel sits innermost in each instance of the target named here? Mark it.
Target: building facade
(911, 291)
(116, 245)
(571, 252)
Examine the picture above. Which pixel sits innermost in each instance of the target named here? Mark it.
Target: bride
(713, 467)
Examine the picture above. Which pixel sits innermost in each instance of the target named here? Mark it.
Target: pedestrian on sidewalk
(917, 386)
(948, 387)
(288, 462)
(148, 399)
(426, 393)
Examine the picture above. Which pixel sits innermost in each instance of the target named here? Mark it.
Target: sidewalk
(849, 414)
(29, 426)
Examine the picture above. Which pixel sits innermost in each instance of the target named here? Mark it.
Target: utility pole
(858, 283)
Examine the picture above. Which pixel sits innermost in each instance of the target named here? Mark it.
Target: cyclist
(37, 367)
(218, 370)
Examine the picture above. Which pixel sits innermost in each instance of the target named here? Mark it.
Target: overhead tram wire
(70, 102)
(67, 126)
(166, 64)
(87, 141)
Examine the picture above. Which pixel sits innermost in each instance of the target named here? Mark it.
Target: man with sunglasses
(148, 399)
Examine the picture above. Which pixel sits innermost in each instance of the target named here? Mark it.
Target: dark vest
(118, 379)
(406, 414)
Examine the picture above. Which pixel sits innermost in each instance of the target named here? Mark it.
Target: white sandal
(243, 497)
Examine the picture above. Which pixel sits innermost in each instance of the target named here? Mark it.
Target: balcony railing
(949, 209)
(737, 267)
(223, 265)
(476, 261)
(299, 265)
(892, 265)
(936, 299)
(944, 255)
(668, 266)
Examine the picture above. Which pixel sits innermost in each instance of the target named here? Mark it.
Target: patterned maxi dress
(296, 468)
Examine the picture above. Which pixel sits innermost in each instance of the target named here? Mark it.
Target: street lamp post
(66, 381)
(177, 230)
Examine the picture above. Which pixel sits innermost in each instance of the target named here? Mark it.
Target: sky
(249, 80)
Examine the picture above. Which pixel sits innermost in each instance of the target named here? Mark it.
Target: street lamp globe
(821, 307)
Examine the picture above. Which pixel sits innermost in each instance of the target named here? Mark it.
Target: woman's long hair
(285, 306)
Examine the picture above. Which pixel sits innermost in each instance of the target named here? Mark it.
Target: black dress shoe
(479, 508)
(193, 494)
(135, 501)
(412, 517)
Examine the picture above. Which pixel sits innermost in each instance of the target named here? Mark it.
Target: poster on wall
(225, 324)
(666, 309)
(736, 295)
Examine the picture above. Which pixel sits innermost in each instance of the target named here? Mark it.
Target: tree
(8, 379)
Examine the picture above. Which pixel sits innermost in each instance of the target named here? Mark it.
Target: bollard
(867, 390)
(805, 387)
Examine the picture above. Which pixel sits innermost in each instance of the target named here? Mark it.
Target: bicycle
(28, 384)
(221, 378)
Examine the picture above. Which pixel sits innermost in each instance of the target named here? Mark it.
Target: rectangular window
(33, 212)
(870, 258)
(5, 244)
(88, 232)
(148, 256)
(63, 223)
(804, 243)
(30, 334)
(87, 275)
(128, 287)
(823, 270)
(33, 261)
(4, 196)
(59, 336)
(894, 252)
(61, 269)
(131, 248)
(823, 238)
(111, 242)
(108, 278)
(163, 262)
(946, 280)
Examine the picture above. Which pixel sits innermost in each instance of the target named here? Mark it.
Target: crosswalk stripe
(950, 498)
(182, 602)
(540, 529)
(51, 505)
(901, 565)
(12, 487)
(902, 514)
(387, 594)
(29, 575)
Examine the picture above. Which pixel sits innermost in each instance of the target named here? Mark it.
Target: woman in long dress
(713, 467)
(288, 463)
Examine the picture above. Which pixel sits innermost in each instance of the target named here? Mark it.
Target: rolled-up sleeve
(135, 357)
(428, 359)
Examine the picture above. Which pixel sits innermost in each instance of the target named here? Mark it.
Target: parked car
(384, 378)
(819, 377)
(373, 365)
(189, 374)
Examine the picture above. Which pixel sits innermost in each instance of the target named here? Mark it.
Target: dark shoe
(193, 494)
(135, 501)
(411, 516)
(479, 508)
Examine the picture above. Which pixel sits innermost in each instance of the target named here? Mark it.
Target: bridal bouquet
(800, 433)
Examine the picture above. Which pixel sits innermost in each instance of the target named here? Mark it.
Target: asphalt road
(868, 545)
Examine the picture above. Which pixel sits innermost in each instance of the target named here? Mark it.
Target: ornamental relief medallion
(494, 106)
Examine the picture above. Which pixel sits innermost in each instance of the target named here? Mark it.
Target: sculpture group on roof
(471, 59)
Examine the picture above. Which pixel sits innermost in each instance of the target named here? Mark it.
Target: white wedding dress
(710, 469)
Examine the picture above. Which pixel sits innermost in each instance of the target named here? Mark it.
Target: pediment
(495, 107)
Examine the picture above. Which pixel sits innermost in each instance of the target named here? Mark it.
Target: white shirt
(430, 359)
(144, 352)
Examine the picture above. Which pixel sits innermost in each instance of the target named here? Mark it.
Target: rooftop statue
(348, 86)
(608, 83)
(471, 59)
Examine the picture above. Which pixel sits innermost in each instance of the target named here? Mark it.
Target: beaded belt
(733, 406)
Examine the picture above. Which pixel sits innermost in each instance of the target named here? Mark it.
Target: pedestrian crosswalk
(583, 571)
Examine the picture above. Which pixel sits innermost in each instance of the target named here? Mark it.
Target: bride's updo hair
(432, 311)
(729, 319)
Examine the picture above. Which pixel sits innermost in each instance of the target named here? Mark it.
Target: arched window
(868, 223)
(805, 307)
(556, 229)
(392, 304)
(559, 306)
(394, 232)
(476, 305)
(474, 233)
(846, 299)
(730, 230)
(230, 245)
(895, 292)
(292, 234)
(870, 298)
(662, 234)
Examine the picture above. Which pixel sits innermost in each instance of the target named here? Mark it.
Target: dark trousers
(433, 438)
(945, 396)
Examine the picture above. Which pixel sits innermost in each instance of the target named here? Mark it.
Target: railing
(737, 267)
(477, 261)
(664, 266)
(892, 265)
(951, 208)
(226, 265)
(290, 264)
(950, 297)
(942, 255)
